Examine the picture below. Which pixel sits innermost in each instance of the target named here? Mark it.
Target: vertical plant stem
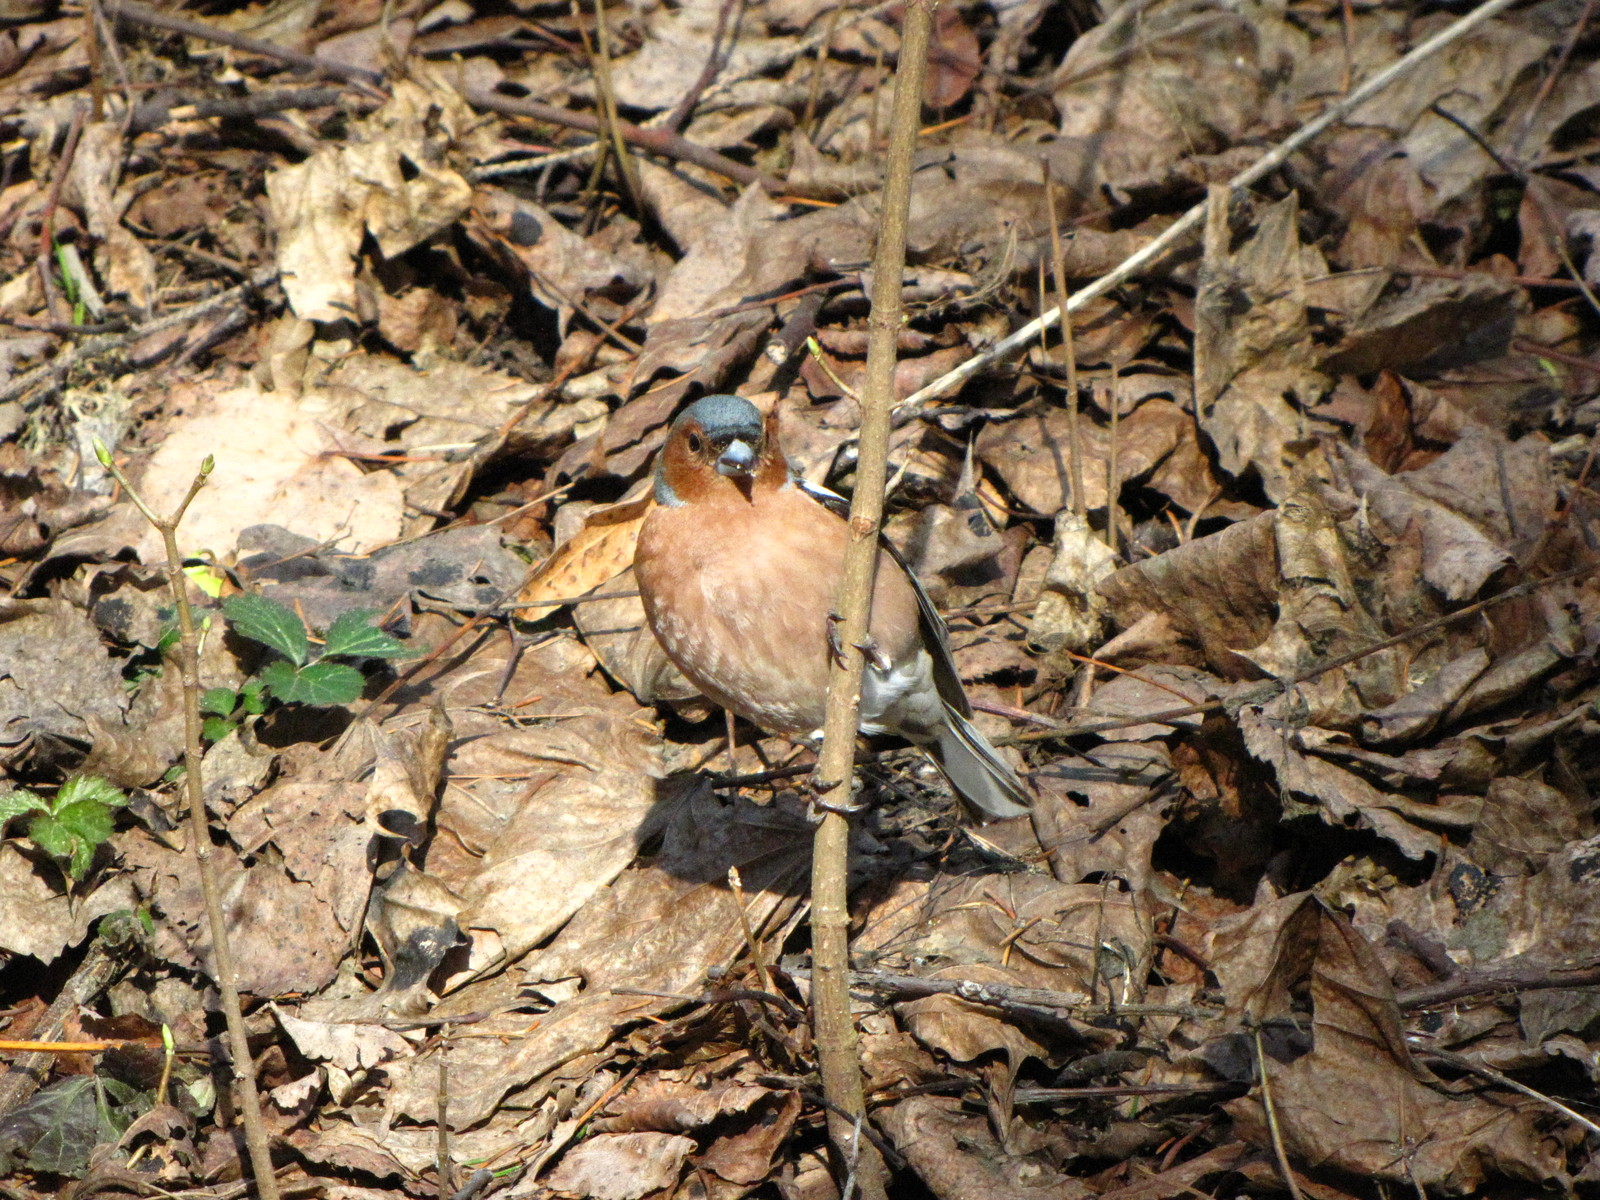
(1113, 472)
(626, 171)
(1069, 351)
(830, 914)
(187, 652)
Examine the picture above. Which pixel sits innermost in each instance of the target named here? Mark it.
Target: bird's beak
(737, 460)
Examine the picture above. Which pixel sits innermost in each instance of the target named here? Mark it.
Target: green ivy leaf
(88, 789)
(214, 729)
(254, 695)
(321, 683)
(75, 822)
(353, 636)
(277, 678)
(221, 701)
(271, 624)
(51, 836)
(57, 1128)
(15, 803)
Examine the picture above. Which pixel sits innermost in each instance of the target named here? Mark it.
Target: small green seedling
(299, 675)
(71, 825)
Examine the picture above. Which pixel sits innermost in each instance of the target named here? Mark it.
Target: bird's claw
(835, 646)
(873, 653)
(870, 650)
(817, 791)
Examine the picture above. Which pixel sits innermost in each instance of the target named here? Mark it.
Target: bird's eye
(695, 444)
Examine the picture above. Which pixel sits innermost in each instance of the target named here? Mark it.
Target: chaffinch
(738, 563)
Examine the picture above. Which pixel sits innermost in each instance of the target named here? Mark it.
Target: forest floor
(1275, 580)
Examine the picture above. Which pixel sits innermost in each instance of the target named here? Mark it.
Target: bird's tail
(976, 771)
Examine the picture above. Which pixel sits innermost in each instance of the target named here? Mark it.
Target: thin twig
(106, 343)
(1069, 351)
(1508, 979)
(128, 10)
(909, 408)
(600, 59)
(759, 959)
(1272, 1122)
(187, 653)
(1461, 1062)
(47, 219)
(1010, 996)
(830, 913)
(1266, 690)
(1545, 88)
(444, 1164)
(715, 58)
(663, 142)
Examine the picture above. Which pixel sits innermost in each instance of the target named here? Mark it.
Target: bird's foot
(817, 790)
(873, 653)
(870, 650)
(835, 646)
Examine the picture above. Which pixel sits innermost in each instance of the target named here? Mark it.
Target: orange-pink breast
(738, 593)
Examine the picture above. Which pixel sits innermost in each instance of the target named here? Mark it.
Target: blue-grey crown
(724, 415)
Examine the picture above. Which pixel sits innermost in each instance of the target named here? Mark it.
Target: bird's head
(719, 445)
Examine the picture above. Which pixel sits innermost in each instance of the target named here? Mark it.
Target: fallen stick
(909, 408)
(659, 140)
(138, 14)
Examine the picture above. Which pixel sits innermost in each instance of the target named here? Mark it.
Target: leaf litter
(1291, 623)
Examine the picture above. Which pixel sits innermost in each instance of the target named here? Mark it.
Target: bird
(738, 562)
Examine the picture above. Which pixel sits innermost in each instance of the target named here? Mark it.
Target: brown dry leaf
(127, 268)
(676, 47)
(467, 568)
(1100, 818)
(957, 1157)
(1381, 196)
(1524, 823)
(286, 937)
(1070, 613)
(564, 271)
(657, 928)
(677, 1106)
(37, 917)
(1427, 326)
(347, 1045)
(749, 251)
(1022, 929)
(348, 1148)
(387, 180)
(620, 1166)
(273, 460)
(954, 60)
(443, 422)
(593, 556)
(318, 826)
(1457, 504)
(1391, 1120)
(1032, 453)
(55, 679)
(589, 805)
(747, 1156)
(1196, 602)
(1343, 798)
(1172, 79)
(36, 500)
(551, 788)
(1254, 359)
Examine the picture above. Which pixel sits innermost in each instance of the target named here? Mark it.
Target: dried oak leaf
(1356, 1099)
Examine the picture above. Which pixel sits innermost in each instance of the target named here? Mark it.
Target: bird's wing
(934, 635)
